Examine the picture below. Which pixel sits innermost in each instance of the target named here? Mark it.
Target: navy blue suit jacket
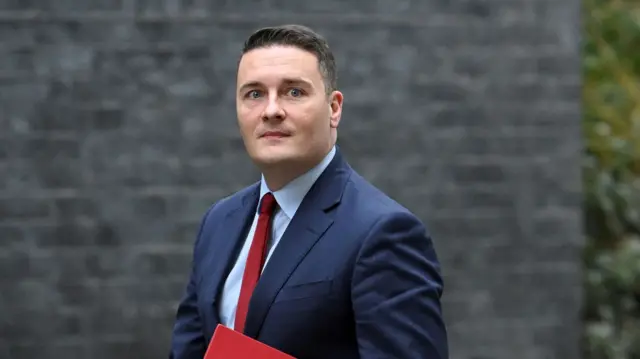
(355, 275)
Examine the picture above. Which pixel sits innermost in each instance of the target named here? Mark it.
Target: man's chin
(273, 156)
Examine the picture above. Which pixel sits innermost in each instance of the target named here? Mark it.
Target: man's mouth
(274, 134)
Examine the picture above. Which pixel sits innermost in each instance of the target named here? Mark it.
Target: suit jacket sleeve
(396, 290)
(188, 341)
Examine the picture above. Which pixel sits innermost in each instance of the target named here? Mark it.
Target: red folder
(230, 344)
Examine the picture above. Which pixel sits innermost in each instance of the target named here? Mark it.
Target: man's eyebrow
(296, 81)
(286, 81)
(249, 85)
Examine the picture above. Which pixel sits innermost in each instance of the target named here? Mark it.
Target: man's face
(284, 113)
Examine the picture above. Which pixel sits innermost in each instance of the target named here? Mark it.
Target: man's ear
(335, 104)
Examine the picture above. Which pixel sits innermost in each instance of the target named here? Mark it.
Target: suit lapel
(224, 246)
(310, 222)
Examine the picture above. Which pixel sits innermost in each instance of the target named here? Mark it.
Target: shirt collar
(290, 196)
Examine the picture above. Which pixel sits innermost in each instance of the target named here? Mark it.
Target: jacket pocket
(304, 290)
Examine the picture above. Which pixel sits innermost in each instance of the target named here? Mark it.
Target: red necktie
(255, 260)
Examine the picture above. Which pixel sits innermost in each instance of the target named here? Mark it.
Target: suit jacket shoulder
(217, 212)
(232, 202)
(226, 205)
(369, 204)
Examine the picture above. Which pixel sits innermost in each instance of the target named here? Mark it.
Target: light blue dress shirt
(289, 199)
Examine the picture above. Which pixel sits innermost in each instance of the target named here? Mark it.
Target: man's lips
(274, 134)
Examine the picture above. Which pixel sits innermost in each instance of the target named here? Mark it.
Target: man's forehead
(276, 64)
(278, 56)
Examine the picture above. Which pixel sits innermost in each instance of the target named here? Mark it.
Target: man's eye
(295, 92)
(253, 94)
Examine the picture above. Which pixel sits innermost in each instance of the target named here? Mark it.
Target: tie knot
(267, 204)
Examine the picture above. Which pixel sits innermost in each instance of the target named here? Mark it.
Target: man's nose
(273, 110)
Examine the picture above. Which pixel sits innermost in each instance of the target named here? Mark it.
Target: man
(312, 260)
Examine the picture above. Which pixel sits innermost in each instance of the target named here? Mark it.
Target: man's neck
(278, 176)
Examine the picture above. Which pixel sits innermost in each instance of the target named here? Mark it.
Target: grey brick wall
(117, 130)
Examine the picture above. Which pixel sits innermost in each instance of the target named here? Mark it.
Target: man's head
(287, 103)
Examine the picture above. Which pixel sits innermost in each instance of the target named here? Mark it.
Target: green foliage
(611, 98)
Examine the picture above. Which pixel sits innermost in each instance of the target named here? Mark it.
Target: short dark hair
(303, 38)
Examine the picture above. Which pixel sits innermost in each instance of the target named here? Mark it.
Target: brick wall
(117, 130)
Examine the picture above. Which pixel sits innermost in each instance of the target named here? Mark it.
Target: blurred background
(611, 173)
(511, 127)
